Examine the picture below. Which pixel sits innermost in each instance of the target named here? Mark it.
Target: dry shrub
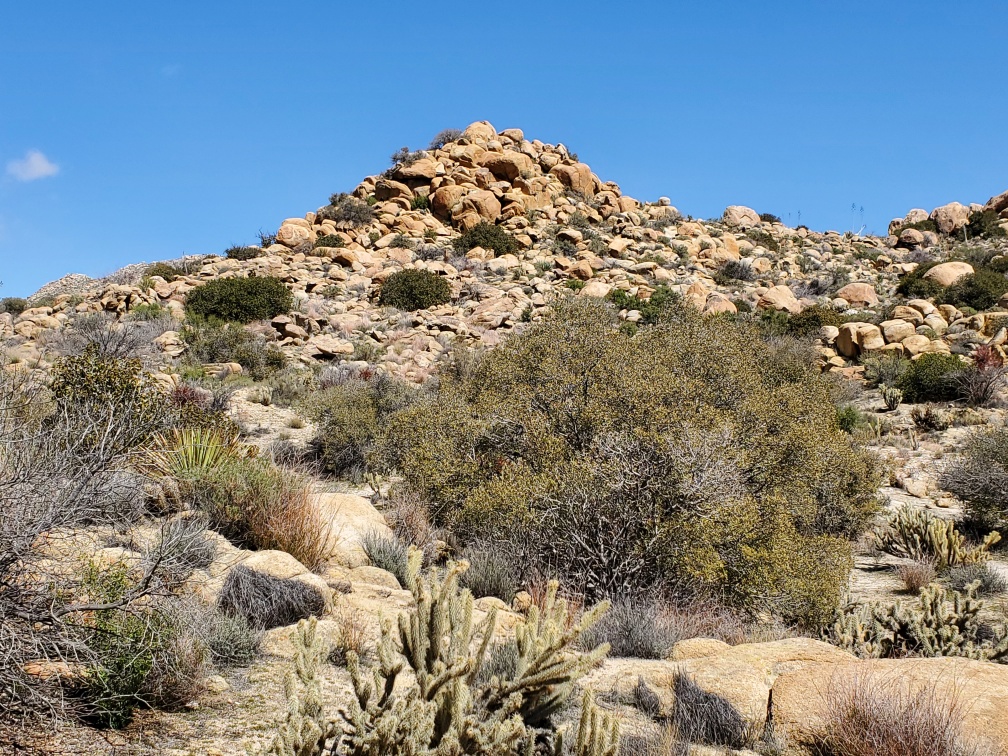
(266, 601)
(707, 718)
(872, 717)
(351, 635)
(409, 518)
(640, 628)
(387, 553)
(916, 574)
(256, 503)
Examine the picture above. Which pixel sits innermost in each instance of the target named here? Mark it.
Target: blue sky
(135, 132)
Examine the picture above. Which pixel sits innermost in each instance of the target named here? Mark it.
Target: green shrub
(810, 321)
(886, 369)
(980, 290)
(914, 286)
(979, 476)
(240, 300)
(242, 252)
(651, 309)
(347, 210)
(578, 476)
(414, 290)
(210, 342)
(145, 312)
(488, 236)
(164, 270)
(734, 270)
(983, 224)
(849, 418)
(387, 553)
(351, 415)
(769, 218)
(923, 225)
(420, 202)
(14, 305)
(328, 240)
(931, 378)
(763, 239)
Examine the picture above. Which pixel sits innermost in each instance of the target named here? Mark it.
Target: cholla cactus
(941, 623)
(891, 396)
(306, 731)
(918, 534)
(447, 707)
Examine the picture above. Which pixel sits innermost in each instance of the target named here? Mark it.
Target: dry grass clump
(351, 635)
(387, 553)
(916, 574)
(872, 717)
(707, 718)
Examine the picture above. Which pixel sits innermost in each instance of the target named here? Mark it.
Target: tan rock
(911, 238)
(855, 339)
(947, 273)
(598, 289)
(859, 294)
(481, 202)
(387, 189)
(896, 330)
(507, 165)
(480, 131)
(291, 235)
(998, 204)
(739, 216)
(696, 648)
(577, 177)
(950, 217)
(779, 298)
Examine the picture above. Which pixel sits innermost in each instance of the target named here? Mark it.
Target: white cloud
(33, 166)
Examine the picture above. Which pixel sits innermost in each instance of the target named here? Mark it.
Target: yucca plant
(185, 451)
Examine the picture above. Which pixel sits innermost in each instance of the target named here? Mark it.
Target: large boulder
(480, 131)
(577, 177)
(947, 273)
(998, 204)
(508, 165)
(950, 217)
(859, 294)
(739, 216)
(855, 339)
(445, 198)
(779, 298)
(293, 232)
(349, 518)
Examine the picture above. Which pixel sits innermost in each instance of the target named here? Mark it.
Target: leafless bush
(981, 382)
(62, 468)
(664, 743)
(113, 338)
(266, 601)
(872, 717)
(638, 627)
(492, 571)
(916, 575)
(979, 476)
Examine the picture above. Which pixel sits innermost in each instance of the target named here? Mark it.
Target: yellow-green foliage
(918, 534)
(691, 449)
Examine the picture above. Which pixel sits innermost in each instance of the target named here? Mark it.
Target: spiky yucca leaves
(305, 731)
(449, 712)
(940, 623)
(918, 534)
(185, 451)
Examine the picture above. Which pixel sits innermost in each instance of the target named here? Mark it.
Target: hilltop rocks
(577, 177)
(294, 232)
(998, 204)
(739, 216)
(946, 274)
(507, 166)
(950, 217)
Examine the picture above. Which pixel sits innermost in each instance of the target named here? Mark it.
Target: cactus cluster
(892, 397)
(918, 534)
(460, 694)
(941, 622)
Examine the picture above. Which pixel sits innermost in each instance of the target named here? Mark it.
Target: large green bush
(487, 236)
(980, 290)
(692, 452)
(241, 300)
(414, 290)
(240, 252)
(14, 305)
(914, 286)
(983, 224)
(211, 342)
(931, 378)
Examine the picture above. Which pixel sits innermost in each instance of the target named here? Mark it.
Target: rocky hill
(466, 244)
(573, 232)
